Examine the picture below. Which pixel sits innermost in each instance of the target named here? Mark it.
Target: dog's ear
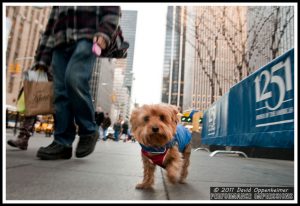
(174, 111)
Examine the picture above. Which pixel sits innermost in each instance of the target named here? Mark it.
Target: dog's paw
(182, 181)
(143, 186)
(173, 179)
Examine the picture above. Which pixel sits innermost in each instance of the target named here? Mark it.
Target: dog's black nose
(155, 129)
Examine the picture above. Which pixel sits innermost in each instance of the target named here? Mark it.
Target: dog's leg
(149, 170)
(173, 165)
(186, 163)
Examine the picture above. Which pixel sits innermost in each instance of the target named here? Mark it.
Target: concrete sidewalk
(113, 170)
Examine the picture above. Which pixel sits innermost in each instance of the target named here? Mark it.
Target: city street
(113, 170)
(226, 72)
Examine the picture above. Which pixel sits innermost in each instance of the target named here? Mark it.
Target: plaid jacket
(68, 24)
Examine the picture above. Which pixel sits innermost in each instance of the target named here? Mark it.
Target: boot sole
(11, 144)
(44, 156)
(85, 154)
(14, 145)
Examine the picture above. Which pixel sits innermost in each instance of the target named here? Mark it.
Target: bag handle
(36, 67)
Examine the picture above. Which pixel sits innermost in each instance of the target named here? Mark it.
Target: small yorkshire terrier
(164, 142)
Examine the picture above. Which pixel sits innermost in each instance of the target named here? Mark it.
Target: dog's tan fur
(164, 117)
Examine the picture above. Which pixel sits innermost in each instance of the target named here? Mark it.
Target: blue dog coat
(157, 154)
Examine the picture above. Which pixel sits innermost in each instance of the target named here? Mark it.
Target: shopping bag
(21, 103)
(38, 94)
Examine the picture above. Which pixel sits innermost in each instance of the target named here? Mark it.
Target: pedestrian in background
(124, 130)
(27, 125)
(130, 135)
(105, 124)
(67, 45)
(117, 129)
(99, 117)
(26, 131)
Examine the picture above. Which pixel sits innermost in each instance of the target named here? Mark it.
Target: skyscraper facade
(112, 78)
(27, 25)
(102, 83)
(174, 56)
(128, 24)
(225, 44)
(271, 33)
(211, 43)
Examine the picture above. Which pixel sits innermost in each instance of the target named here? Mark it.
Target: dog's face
(154, 125)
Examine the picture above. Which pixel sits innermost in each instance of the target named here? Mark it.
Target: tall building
(225, 44)
(121, 95)
(174, 56)
(27, 24)
(210, 66)
(128, 25)
(102, 84)
(269, 27)
(124, 67)
(112, 78)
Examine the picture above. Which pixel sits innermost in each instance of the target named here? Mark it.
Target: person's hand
(100, 41)
(45, 69)
(39, 67)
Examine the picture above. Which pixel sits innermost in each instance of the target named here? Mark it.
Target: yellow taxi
(191, 119)
(45, 124)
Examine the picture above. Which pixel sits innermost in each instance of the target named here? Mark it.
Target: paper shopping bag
(38, 98)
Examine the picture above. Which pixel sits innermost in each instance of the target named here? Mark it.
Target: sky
(148, 52)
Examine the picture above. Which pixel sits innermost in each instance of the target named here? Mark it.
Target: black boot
(54, 151)
(21, 142)
(26, 131)
(86, 144)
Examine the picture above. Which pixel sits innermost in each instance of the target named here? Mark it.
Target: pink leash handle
(96, 49)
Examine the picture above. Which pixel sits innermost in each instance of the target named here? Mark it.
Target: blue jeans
(104, 133)
(116, 134)
(72, 69)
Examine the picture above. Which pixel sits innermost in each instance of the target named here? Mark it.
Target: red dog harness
(156, 159)
(156, 155)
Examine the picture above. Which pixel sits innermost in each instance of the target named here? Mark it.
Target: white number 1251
(283, 86)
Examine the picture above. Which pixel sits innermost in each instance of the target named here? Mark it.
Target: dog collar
(172, 143)
(159, 150)
(154, 150)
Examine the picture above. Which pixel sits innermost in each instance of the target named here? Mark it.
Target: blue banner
(256, 112)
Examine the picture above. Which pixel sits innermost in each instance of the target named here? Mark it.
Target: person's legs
(72, 69)
(25, 133)
(99, 130)
(78, 74)
(105, 133)
(65, 130)
(116, 135)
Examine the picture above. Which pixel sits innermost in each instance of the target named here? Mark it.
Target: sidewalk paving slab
(113, 170)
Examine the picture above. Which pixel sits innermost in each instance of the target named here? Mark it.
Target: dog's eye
(146, 118)
(162, 117)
